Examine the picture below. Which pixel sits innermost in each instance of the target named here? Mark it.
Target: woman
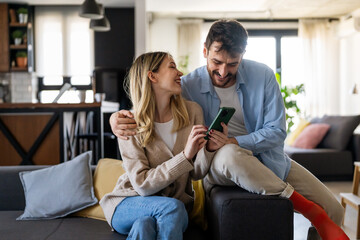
(151, 200)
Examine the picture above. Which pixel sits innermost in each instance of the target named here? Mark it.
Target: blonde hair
(143, 97)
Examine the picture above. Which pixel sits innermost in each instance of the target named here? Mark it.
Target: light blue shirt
(262, 105)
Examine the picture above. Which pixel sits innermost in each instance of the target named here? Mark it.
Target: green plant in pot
(17, 36)
(288, 93)
(23, 15)
(21, 59)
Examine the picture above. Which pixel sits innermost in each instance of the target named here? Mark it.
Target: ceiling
(243, 9)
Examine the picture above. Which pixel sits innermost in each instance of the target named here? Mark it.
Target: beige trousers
(234, 165)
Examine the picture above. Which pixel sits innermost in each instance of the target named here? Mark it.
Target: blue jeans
(149, 218)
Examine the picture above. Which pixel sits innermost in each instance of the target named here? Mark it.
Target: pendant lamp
(90, 9)
(100, 25)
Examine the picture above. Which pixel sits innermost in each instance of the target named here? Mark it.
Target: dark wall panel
(116, 48)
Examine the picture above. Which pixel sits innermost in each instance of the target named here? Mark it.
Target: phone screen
(224, 115)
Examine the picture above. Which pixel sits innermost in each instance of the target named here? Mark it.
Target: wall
(163, 35)
(349, 67)
(116, 48)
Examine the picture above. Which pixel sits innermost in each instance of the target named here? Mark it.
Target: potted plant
(17, 36)
(23, 15)
(21, 59)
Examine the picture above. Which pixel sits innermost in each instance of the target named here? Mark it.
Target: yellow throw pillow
(106, 175)
(293, 135)
(197, 215)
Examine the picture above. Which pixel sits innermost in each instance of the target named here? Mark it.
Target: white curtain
(189, 43)
(64, 42)
(321, 67)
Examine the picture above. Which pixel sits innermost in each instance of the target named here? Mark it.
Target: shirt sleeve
(203, 158)
(272, 133)
(147, 180)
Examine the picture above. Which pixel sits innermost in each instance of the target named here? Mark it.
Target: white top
(164, 132)
(229, 98)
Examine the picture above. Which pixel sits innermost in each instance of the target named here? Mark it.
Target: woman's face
(167, 78)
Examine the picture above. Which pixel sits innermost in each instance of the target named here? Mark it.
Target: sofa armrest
(234, 213)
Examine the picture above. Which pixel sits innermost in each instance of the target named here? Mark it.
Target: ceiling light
(90, 9)
(100, 25)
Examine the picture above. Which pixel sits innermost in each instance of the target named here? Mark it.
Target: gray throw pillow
(58, 190)
(340, 132)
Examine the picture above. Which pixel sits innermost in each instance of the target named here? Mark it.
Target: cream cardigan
(156, 170)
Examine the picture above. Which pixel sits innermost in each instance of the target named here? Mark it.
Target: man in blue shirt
(253, 158)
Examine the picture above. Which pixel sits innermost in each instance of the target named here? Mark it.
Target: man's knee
(231, 155)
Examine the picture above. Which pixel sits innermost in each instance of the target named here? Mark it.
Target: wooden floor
(301, 224)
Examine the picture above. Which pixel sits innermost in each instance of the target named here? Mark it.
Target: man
(253, 158)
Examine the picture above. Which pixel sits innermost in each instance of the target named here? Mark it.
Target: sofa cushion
(340, 132)
(290, 139)
(311, 136)
(58, 190)
(106, 175)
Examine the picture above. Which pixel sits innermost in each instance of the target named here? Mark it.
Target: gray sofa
(232, 213)
(328, 164)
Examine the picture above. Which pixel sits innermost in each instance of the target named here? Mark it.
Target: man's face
(221, 65)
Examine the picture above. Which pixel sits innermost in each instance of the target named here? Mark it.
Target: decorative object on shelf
(12, 16)
(21, 59)
(23, 15)
(90, 9)
(17, 36)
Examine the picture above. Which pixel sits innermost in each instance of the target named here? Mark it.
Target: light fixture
(354, 89)
(90, 9)
(100, 25)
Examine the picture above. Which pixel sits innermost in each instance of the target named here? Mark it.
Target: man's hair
(230, 33)
(138, 86)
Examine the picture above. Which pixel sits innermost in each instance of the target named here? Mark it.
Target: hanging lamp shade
(100, 25)
(90, 9)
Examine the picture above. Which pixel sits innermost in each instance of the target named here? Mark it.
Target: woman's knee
(147, 223)
(175, 209)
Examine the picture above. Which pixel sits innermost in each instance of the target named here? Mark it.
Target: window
(64, 48)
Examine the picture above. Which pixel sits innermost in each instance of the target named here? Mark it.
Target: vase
(21, 61)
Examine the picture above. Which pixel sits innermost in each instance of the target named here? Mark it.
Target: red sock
(326, 228)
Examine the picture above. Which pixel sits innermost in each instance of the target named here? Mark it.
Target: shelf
(21, 46)
(18, 24)
(19, 69)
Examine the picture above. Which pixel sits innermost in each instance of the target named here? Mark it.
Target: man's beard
(212, 74)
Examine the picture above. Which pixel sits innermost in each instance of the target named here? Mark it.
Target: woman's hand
(123, 124)
(217, 139)
(195, 141)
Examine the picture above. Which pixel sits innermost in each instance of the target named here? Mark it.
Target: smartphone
(224, 115)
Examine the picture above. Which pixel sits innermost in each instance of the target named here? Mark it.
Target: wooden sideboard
(47, 134)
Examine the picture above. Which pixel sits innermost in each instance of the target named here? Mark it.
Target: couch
(232, 213)
(328, 164)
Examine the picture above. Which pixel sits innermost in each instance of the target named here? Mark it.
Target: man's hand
(217, 139)
(232, 141)
(122, 124)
